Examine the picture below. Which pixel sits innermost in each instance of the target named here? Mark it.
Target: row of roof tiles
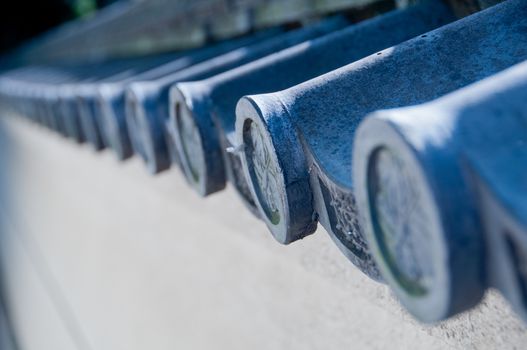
(404, 136)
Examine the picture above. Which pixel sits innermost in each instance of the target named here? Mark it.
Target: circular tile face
(110, 128)
(138, 130)
(264, 172)
(401, 223)
(191, 147)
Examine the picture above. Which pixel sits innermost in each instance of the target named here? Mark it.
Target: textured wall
(99, 255)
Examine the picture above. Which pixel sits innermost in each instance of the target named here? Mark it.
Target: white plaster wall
(123, 260)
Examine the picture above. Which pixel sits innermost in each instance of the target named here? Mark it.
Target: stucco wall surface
(97, 254)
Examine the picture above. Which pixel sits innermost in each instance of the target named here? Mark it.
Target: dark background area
(24, 19)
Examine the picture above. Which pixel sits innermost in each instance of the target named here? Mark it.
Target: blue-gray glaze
(111, 99)
(471, 146)
(149, 100)
(327, 110)
(212, 101)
